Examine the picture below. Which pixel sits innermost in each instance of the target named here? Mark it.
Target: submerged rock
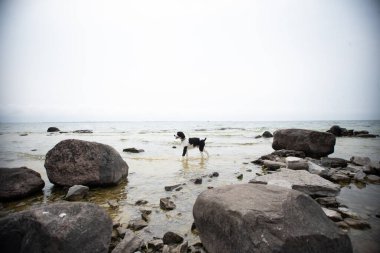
(263, 218)
(60, 227)
(77, 192)
(16, 183)
(73, 162)
(315, 144)
(301, 180)
(167, 204)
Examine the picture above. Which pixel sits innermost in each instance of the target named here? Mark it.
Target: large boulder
(73, 162)
(16, 183)
(262, 218)
(315, 144)
(300, 180)
(61, 227)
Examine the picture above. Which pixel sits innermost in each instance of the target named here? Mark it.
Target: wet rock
(156, 244)
(347, 213)
(77, 192)
(296, 163)
(167, 204)
(141, 202)
(271, 165)
(360, 176)
(286, 153)
(267, 134)
(264, 218)
(172, 238)
(327, 201)
(313, 143)
(316, 169)
(17, 183)
(333, 162)
(133, 150)
(145, 214)
(373, 179)
(357, 224)
(131, 243)
(340, 178)
(198, 181)
(59, 227)
(136, 225)
(85, 131)
(240, 176)
(215, 174)
(359, 160)
(53, 129)
(174, 147)
(333, 215)
(300, 180)
(172, 187)
(73, 162)
(342, 225)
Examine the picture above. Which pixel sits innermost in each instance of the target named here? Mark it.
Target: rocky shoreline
(299, 167)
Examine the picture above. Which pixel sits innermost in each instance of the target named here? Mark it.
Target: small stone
(156, 244)
(121, 231)
(113, 203)
(141, 202)
(174, 147)
(340, 178)
(249, 170)
(136, 225)
(167, 204)
(215, 174)
(172, 238)
(172, 187)
(357, 224)
(240, 176)
(77, 192)
(133, 150)
(198, 181)
(360, 176)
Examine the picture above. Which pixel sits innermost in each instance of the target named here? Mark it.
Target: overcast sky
(189, 60)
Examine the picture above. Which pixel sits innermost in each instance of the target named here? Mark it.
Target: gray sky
(189, 60)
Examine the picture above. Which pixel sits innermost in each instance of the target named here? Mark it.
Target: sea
(231, 147)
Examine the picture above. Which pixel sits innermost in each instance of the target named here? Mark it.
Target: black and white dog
(191, 143)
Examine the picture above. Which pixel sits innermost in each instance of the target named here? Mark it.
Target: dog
(191, 143)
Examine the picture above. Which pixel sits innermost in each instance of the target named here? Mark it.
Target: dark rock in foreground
(313, 143)
(73, 162)
(16, 183)
(259, 218)
(60, 227)
(53, 129)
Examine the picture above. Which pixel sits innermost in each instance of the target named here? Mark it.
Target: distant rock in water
(339, 131)
(73, 162)
(16, 183)
(133, 150)
(267, 134)
(60, 227)
(265, 218)
(313, 143)
(53, 129)
(83, 132)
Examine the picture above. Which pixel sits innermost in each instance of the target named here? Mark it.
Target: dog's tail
(204, 140)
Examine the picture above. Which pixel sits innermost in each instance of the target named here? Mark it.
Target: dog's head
(180, 135)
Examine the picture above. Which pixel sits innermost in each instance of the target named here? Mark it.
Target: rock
(167, 204)
(373, 179)
(286, 153)
(214, 174)
(296, 163)
(327, 201)
(73, 162)
(375, 166)
(333, 162)
(337, 130)
(17, 183)
(316, 169)
(357, 224)
(77, 192)
(174, 147)
(136, 225)
(265, 218)
(258, 136)
(360, 176)
(24, 134)
(133, 150)
(172, 187)
(198, 181)
(359, 160)
(130, 244)
(141, 202)
(354, 168)
(360, 132)
(156, 244)
(347, 213)
(121, 231)
(113, 203)
(333, 215)
(267, 134)
(83, 132)
(313, 143)
(240, 176)
(182, 248)
(59, 227)
(340, 178)
(300, 180)
(172, 238)
(270, 165)
(53, 129)
(342, 225)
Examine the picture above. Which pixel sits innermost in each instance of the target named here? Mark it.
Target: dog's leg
(204, 150)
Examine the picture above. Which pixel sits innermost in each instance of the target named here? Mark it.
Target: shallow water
(231, 146)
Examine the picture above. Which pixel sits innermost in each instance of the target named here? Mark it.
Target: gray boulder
(61, 227)
(301, 180)
(313, 143)
(262, 218)
(73, 162)
(16, 183)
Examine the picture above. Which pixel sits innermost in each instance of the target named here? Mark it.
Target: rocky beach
(122, 187)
